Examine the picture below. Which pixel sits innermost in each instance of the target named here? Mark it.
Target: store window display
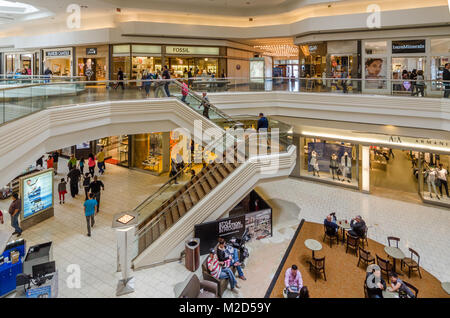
(435, 178)
(115, 149)
(332, 161)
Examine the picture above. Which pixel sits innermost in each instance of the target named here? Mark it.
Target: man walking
(446, 78)
(14, 211)
(55, 156)
(89, 212)
(166, 77)
(74, 176)
(101, 161)
(120, 77)
(95, 187)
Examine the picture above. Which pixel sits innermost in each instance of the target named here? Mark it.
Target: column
(365, 182)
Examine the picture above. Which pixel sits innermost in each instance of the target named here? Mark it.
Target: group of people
(375, 285)
(358, 226)
(220, 261)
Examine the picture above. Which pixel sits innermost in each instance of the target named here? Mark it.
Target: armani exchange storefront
(391, 166)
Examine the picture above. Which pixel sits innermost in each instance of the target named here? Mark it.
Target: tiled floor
(96, 255)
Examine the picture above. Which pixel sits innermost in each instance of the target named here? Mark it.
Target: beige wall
(241, 58)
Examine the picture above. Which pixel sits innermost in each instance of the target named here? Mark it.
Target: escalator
(164, 224)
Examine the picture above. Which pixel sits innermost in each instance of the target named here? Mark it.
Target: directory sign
(36, 192)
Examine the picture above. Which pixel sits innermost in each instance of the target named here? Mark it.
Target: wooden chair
(364, 239)
(413, 288)
(393, 239)
(330, 234)
(352, 242)
(385, 266)
(366, 293)
(412, 262)
(318, 266)
(365, 257)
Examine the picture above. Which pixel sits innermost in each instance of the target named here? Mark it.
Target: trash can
(192, 251)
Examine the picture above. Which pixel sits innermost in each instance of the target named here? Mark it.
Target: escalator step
(181, 208)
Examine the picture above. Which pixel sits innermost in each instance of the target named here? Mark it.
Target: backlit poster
(375, 73)
(37, 193)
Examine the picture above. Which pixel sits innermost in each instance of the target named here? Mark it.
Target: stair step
(187, 201)
(169, 219)
(223, 171)
(181, 208)
(216, 174)
(230, 167)
(194, 197)
(211, 181)
(205, 185)
(201, 193)
(174, 212)
(162, 225)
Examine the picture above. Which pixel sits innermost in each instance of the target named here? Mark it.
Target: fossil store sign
(192, 50)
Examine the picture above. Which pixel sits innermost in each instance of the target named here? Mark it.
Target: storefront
(389, 64)
(391, 166)
(92, 62)
(342, 59)
(20, 61)
(313, 60)
(202, 60)
(59, 61)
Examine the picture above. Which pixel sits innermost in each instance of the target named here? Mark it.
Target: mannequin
(334, 166)
(314, 163)
(346, 164)
(430, 175)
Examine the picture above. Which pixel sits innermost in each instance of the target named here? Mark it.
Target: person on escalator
(184, 92)
(205, 104)
(166, 76)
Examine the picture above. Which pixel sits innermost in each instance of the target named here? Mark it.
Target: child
(62, 190)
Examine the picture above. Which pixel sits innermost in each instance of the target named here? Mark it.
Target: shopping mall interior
(225, 149)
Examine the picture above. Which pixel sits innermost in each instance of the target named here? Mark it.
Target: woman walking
(91, 164)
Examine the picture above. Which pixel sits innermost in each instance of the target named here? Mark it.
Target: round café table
(389, 294)
(396, 254)
(313, 245)
(446, 287)
(344, 225)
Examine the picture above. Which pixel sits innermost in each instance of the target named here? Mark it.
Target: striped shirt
(214, 267)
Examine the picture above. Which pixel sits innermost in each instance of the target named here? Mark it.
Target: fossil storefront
(393, 166)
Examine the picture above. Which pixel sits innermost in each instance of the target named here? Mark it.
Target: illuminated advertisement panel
(36, 193)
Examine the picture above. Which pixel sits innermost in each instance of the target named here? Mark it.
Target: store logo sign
(58, 53)
(374, 19)
(395, 139)
(229, 226)
(74, 19)
(192, 50)
(91, 51)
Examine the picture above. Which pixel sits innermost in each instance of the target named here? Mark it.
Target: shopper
(304, 293)
(173, 170)
(62, 190)
(14, 210)
(190, 76)
(446, 78)
(55, 156)
(263, 123)
(89, 212)
(219, 272)
(101, 161)
(293, 281)
(344, 76)
(91, 164)
(205, 104)
(74, 176)
(72, 163)
(49, 162)
(166, 77)
(227, 255)
(375, 284)
(95, 187)
(442, 174)
(419, 84)
(399, 286)
(40, 162)
(147, 83)
(86, 184)
(330, 224)
(184, 92)
(358, 227)
(81, 166)
(120, 77)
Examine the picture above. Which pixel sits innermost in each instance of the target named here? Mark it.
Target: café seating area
(347, 260)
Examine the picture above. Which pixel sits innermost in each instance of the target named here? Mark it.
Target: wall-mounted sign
(192, 50)
(408, 46)
(91, 51)
(312, 48)
(58, 53)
